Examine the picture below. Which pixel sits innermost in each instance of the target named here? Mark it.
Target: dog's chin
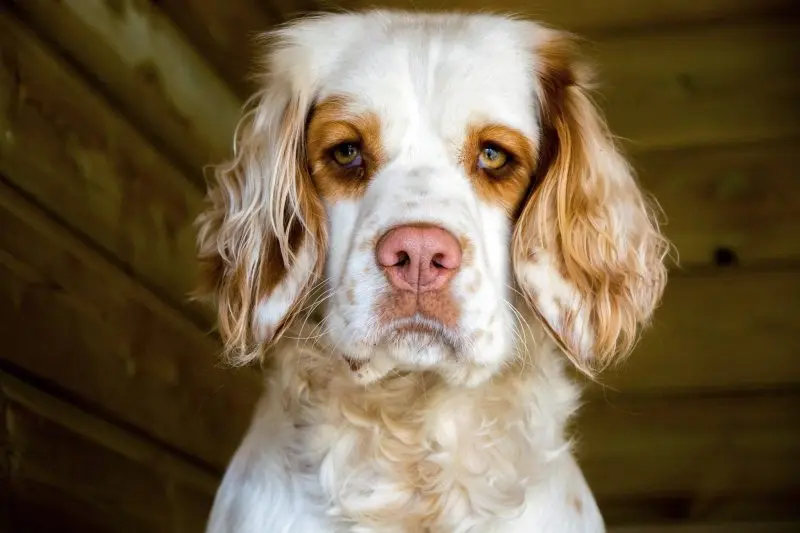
(412, 346)
(419, 349)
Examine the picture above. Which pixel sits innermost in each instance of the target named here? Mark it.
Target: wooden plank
(605, 17)
(75, 320)
(707, 449)
(731, 330)
(743, 198)
(134, 52)
(706, 85)
(64, 478)
(103, 433)
(65, 146)
(223, 32)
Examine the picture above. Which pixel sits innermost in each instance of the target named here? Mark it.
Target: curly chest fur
(420, 456)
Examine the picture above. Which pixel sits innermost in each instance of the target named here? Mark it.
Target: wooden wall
(115, 414)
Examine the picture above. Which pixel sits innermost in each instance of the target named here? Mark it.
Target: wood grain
(63, 478)
(743, 198)
(224, 33)
(103, 433)
(734, 330)
(138, 57)
(74, 319)
(700, 86)
(67, 148)
(706, 450)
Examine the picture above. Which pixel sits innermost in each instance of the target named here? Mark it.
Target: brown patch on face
(441, 307)
(330, 124)
(435, 305)
(506, 186)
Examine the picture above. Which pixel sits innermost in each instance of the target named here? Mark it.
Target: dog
(425, 222)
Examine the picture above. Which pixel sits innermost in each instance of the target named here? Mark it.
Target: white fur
(313, 458)
(463, 432)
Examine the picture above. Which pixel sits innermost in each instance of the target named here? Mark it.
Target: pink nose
(419, 258)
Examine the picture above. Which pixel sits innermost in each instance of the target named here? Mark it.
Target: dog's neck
(417, 437)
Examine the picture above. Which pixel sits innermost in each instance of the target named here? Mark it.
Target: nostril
(402, 259)
(438, 261)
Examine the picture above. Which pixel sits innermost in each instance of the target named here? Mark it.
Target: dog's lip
(418, 325)
(415, 327)
(420, 331)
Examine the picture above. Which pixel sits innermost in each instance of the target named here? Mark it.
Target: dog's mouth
(409, 343)
(416, 332)
(414, 329)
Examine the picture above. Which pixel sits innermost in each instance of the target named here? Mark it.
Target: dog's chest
(416, 459)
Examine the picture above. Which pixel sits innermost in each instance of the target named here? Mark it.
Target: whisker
(524, 355)
(310, 308)
(320, 326)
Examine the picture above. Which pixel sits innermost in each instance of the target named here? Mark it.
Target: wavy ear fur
(262, 239)
(587, 250)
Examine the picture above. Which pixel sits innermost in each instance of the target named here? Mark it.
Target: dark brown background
(115, 414)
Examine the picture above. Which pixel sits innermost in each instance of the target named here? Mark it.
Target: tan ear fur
(588, 251)
(262, 239)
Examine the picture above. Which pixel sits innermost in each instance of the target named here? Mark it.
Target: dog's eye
(347, 155)
(492, 158)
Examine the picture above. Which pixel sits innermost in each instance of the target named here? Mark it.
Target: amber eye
(347, 155)
(492, 158)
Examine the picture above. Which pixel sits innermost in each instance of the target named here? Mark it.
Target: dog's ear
(262, 238)
(587, 250)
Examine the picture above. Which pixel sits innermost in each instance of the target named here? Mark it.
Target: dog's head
(427, 170)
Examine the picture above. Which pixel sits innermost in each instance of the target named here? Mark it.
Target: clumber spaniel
(425, 217)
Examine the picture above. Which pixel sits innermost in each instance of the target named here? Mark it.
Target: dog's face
(429, 169)
(422, 148)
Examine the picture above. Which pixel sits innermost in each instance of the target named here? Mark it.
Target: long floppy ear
(262, 239)
(587, 250)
